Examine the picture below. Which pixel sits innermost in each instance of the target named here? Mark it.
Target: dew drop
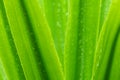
(58, 10)
(83, 29)
(44, 15)
(66, 13)
(82, 49)
(39, 63)
(58, 24)
(80, 42)
(33, 48)
(101, 50)
(59, 5)
(53, 4)
(97, 64)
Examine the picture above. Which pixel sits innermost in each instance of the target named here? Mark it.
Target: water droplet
(33, 48)
(80, 42)
(82, 49)
(81, 22)
(101, 50)
(39, 63)
(44, 15)
(97, 64)
(59, 5)
(58, 24)
(58, 10)
(66, 13)
(53, 3)
(72, 44)
(83, 29)
(38, 25)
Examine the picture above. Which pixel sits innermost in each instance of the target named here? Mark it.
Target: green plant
(59, 39)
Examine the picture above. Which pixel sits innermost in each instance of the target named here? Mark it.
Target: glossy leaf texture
(9, 62)
(59, 39)
(115, 67)
(107, 44)
(105, 7)
(56, 13)
(35, 56)
(81, 37)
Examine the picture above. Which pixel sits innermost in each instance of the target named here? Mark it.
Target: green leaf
(105, 7)
(56, 14)
(9, 61)
(106, 43)
(2, 72)
(59, 39)
(115, 66)
(44, 40)
(21, 38)
(81, 37)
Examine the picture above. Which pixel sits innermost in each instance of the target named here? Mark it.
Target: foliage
(59, 39)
